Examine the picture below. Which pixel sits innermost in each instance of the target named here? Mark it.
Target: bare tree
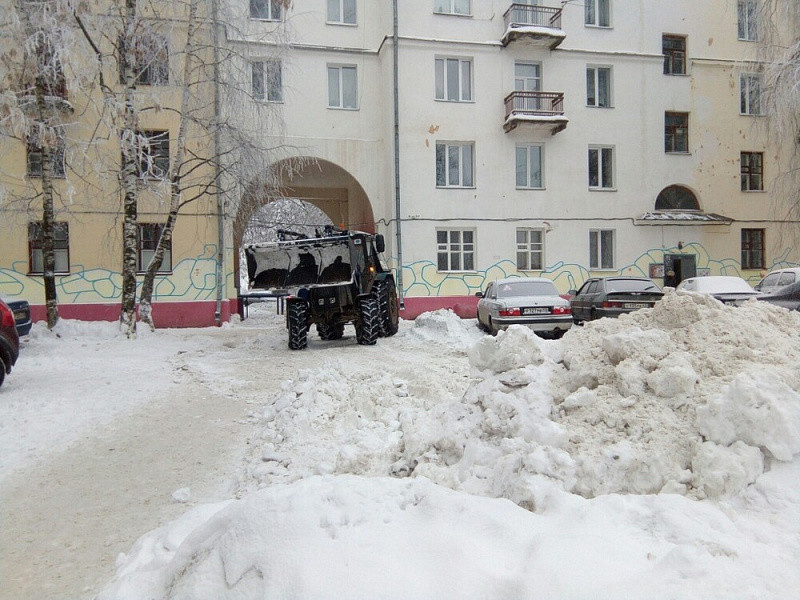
(37, 43)
(779, 24)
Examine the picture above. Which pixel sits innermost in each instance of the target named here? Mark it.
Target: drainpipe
(398, 224)
(218, 169)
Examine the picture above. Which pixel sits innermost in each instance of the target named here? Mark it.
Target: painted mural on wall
(191, 279)
(423, 279)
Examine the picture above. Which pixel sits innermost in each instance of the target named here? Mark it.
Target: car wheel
(2, 370)
(491, 329)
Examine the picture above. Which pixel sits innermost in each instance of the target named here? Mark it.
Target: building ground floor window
(36, 243)
(455, 249)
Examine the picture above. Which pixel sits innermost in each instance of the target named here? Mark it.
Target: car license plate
(536, 310)
(635, 305)
(19, 315)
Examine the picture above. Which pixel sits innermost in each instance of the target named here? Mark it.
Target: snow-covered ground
(651, 456)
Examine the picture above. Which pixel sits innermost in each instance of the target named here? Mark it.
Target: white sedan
(725, 288)
(530, 301)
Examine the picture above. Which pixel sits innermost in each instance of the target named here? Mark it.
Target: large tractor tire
(297, 323)
(388, 308)
(368, 324)
(330, 331)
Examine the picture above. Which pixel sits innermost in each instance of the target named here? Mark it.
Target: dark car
(9, 341)
(611, 296)
(787, 296)
(22, 315)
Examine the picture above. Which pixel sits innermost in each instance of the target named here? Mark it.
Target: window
(601, 167)
(456, 250)
(598, 86)
(342, 87)
(452, 7)
(153, 154)
(57, 152)
(677, 197)
(46, 60)
(748, 20)
(342, 12)
(454, 165)
(601, 249)
(268, 10)
(151, 56)
(598, 12)
(673, 47)
(454, 79)
(752, 171)
(752, 248)
(60, 243)
(676, 132)
(529, 166)
(147, 236)
(267, 81)
(530, 249)
(750, 85)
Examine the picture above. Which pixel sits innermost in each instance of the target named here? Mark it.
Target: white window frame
(747, 20)
(592, 13)
(593, 83)
(337, 71)
(451, 7)
(443, 69)
(598, 260)
(528, 248)
(271, 80)
(272, 6)
(601, 152)
(750, 84)
(455, 246)
(337, 13)
(447, 151)
(530, 155)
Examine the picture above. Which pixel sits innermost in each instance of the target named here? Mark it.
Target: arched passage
(319, 182)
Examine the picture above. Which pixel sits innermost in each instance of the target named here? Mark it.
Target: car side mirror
(572, 292)
(380, 243)
(479, 294)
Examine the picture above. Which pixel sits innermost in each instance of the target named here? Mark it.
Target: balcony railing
(544, 109)
(541, 24)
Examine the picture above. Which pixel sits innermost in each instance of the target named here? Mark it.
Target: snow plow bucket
(299, 263)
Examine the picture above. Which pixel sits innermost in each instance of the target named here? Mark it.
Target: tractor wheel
(368, 324)
(388, 308)
(330, 331)
(297, 324)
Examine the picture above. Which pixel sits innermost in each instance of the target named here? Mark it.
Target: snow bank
(654, 454)
(661, 400)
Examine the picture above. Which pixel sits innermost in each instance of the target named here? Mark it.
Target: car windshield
(526, 288)
(631, 285)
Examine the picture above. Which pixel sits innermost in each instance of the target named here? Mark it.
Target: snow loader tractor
(330, 280)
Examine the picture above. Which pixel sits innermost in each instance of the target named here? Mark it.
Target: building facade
(535, 139)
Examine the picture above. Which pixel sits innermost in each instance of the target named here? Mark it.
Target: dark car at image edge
(22, 315)
(9, 341)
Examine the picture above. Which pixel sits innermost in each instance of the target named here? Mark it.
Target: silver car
(530, 301)
(725, 288)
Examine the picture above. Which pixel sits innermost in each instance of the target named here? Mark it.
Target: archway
(318, 182)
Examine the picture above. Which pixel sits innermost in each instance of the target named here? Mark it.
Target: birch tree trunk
(129, 175)
(165, 239)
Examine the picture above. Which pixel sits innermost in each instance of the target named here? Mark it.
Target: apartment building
(555, 139)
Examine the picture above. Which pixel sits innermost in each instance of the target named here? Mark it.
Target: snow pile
(691, 397)
(610, 442)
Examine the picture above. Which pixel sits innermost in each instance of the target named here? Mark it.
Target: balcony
(538, 25)
(538, 110)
